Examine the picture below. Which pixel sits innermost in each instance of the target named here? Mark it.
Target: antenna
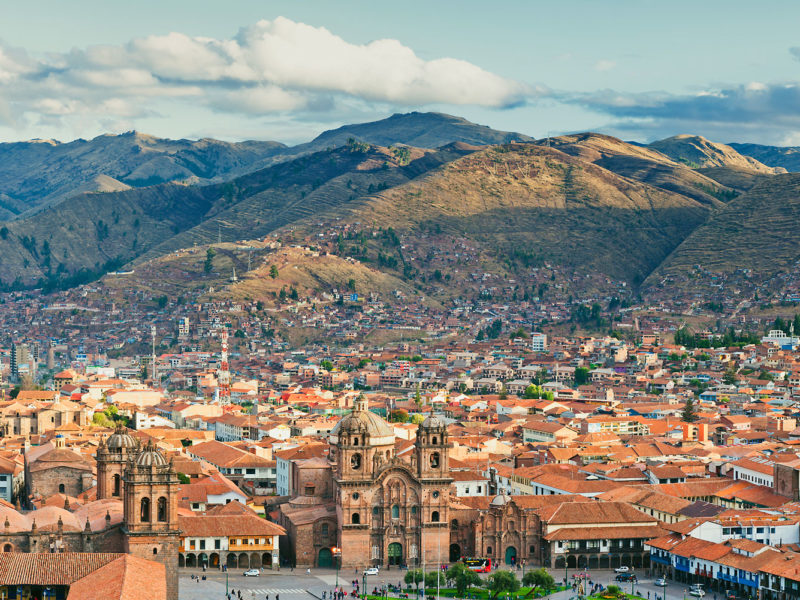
(153, 356)
(224, 375)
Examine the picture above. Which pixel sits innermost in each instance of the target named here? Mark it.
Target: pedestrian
(648, 594)
(308, 571)
(323, 596)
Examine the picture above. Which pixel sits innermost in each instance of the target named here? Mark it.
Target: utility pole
(153, 370)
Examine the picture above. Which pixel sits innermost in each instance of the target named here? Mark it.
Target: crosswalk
(273, 591)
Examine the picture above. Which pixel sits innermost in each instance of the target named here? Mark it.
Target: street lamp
(663, 588)
(364, 579)
(337, 553)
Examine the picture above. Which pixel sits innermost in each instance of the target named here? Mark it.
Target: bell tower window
(355, 462)
(145, 510)
(435, 460)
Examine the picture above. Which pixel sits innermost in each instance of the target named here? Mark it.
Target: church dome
(151, 456)
(500, 500)
(363, 422)
(120, 440)
(432, 422)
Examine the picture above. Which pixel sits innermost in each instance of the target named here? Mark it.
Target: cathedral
(136, 511)
(381, 508)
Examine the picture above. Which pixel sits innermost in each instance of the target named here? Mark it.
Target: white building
(539, 342)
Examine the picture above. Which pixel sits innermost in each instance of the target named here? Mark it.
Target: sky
(286, 71)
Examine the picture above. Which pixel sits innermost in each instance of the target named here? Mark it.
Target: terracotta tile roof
(17, 568)
(225, 525)
(605, 533)
(126, 578)
(576, 513)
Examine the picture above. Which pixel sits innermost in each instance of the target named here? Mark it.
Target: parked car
(697, 592)
(252, 573)
(371, 571)
(622, 569)
(661, 582)
(627, 577)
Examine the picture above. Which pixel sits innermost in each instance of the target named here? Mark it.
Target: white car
(697, 593)
(252, 573)
(661, 582)
(622, 569)
(371, 571)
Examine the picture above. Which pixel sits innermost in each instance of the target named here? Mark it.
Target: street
(297, 585)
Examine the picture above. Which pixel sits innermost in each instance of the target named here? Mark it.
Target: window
(532, 549)
(155, 551)
(162, 509)
(480, 489)
(250, 471)
(435, 516)
(375, 511)
(454, 524)
(356, 496)
(356, 519)
(217, 545)
(145, 510)
(435, 460)
(202, 544)
(413, 510)
(395, 511)
(237, 471)
(324, 529)
(435, 440)
(191, 544)
(61, 488)
(116, 485)
(489, 550)
(355, 441)
(355, 462)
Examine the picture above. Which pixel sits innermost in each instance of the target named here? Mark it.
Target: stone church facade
(386, 510)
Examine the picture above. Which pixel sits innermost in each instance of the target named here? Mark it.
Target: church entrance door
(395, 554)
(325, 558)
(511, 555)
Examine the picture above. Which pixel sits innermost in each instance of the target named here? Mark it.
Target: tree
(460, 576)
(689, 414)
(503, 393)
(273, 271)
(209, 264)
(539, 578)
(502, 582)
(414, 577)
(398, 416)
(434, 578)
(326, 364)
(581, 375)
(729, 377)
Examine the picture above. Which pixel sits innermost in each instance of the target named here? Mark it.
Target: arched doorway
(255, 561)
(572, 562)
(582, 563)
(455, 553)
(559, 562)
(593, 562)
(511, 555)
(244, 561)
(214, 560)
(190, 560)
(231, 561)
(325, 559)
(181, 560)
(202, 560)
(266, 560)
(395, 554)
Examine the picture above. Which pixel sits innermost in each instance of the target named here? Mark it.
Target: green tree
(581, 375)
(434, 578)
(689, 414)
(502, 582)
(326, 364)
(273, 271)
(729, 377)
(209, 264)
(398, 416)
(539, 578)
(462, 578)
(503, 393)
(414, 577)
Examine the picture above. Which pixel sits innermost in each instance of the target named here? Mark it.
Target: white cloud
(604, 65)
(269, 67)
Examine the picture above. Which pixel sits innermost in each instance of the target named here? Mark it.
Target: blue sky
(244, 69)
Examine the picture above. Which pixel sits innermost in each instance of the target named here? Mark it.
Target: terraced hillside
(755, 231)
(527, 203)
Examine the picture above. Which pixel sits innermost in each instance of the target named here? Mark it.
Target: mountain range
(588, 202)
